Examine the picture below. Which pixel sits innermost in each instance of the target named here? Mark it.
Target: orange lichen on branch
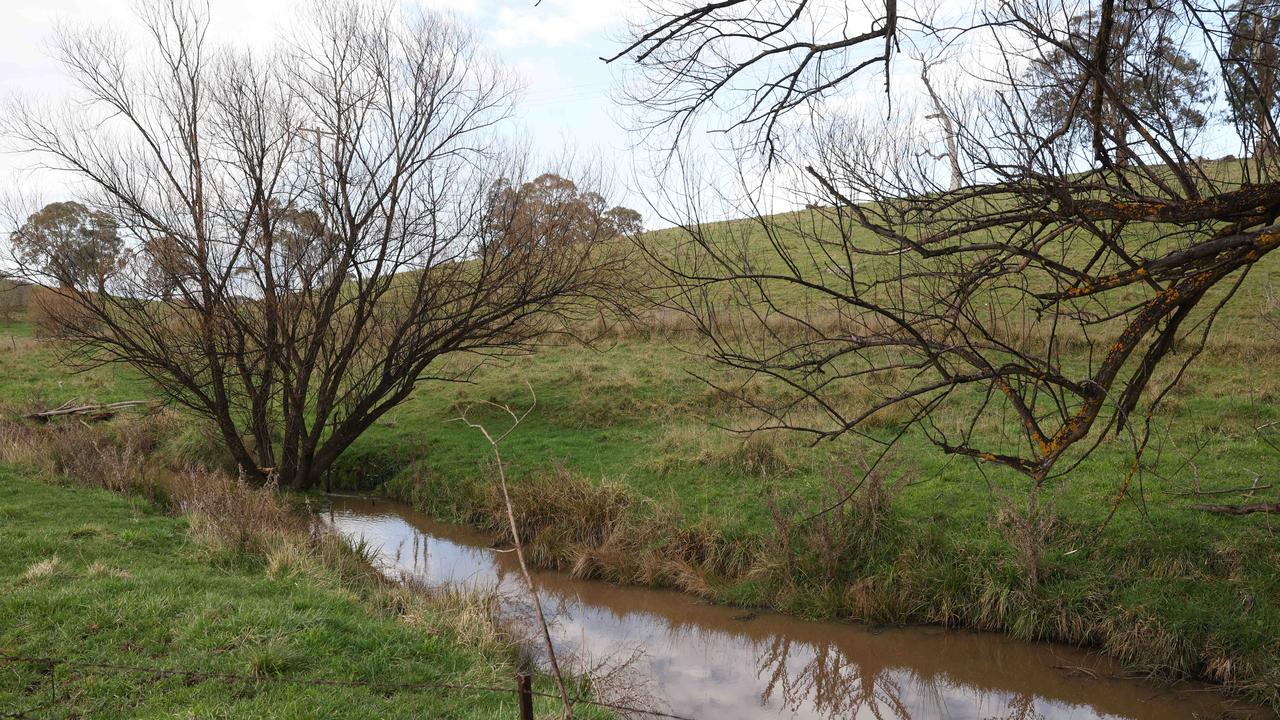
(1233, 205)
(1027, 419)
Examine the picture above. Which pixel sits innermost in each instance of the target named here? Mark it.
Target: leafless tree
(306, 231)
(753, 60)
(942, 115)
(1075, 261)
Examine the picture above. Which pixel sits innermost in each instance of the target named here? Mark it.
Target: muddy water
(708, 661)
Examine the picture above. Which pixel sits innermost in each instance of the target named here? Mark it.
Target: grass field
(97, 578)
(622, 475)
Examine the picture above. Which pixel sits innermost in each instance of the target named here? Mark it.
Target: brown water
(709, 661)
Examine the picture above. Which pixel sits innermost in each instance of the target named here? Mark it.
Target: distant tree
(70, 243)
(1251, 69)
(624, 221)
(1148, 71)
(14, 295)
(166, 265)
(552, 210)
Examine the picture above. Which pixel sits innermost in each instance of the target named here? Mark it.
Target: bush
(228, 510)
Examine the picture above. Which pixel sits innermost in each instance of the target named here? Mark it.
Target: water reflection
(708, 661)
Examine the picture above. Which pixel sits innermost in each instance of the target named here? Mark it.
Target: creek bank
(217, 590)
(710, 661)
(97, 577)
(890, 573)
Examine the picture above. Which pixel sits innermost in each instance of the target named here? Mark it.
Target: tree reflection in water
(827, 682)
(823, 679)
(701, 660)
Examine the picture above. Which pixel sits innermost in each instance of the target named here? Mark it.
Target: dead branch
(1229, 491)
(1248, 509)
(494, 443)
(94, 412)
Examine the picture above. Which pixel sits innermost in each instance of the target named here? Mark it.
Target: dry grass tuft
(88, 530)
(229, 510)
(838, 532)
(99, 569)
(760, 453)
(43, 569)
(1028, 529)
(472, 615)
(560, 511)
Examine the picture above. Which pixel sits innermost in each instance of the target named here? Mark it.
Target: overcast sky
(554, 47)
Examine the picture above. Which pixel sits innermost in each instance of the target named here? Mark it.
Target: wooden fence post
(524, 693)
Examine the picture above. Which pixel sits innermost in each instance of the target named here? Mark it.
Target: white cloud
(556, 22)
(463, 8)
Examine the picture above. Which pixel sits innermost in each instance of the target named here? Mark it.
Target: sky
(554, 47)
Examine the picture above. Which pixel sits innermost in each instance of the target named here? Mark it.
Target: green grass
(96, 577)
(1166, 588)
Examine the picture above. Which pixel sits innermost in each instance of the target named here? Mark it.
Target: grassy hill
(623, 475)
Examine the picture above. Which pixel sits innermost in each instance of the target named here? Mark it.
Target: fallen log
(92, 412)
(1246, 509)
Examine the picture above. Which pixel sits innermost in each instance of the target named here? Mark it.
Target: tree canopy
(551, 209)
(1148, 70)
(70, 243)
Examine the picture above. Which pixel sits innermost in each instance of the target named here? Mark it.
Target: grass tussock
(593, 530)
(44, 569)
(474, 615)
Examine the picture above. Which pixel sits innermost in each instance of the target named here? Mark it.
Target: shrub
(228, 509)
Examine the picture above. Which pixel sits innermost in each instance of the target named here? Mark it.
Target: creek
(709, 661)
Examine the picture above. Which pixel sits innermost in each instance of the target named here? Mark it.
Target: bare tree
(942, 115)
(306, 232)
(1048, 289)
(754, 60)
(1250, 57)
